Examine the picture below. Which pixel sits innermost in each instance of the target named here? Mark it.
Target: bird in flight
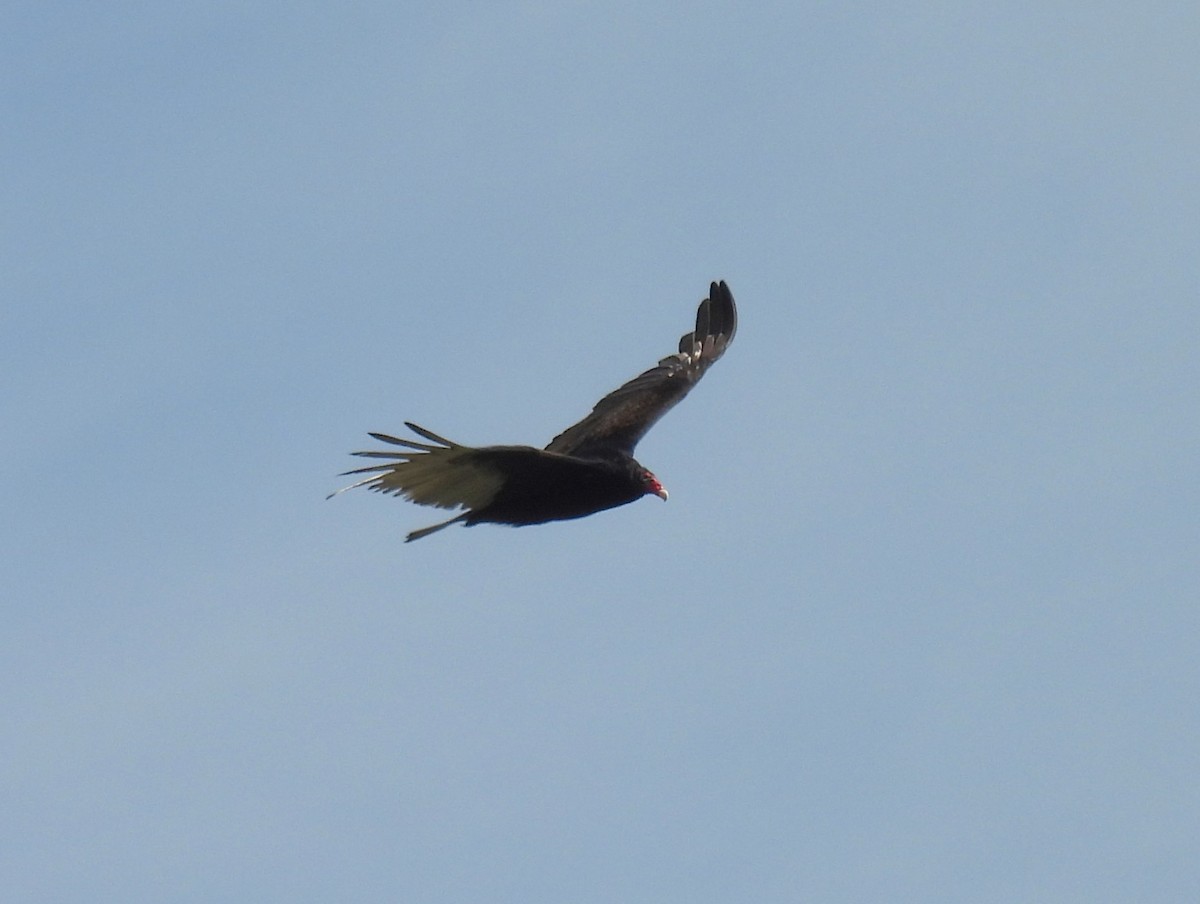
(587, 468)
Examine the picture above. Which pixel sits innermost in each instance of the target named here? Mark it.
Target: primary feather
(587, 468)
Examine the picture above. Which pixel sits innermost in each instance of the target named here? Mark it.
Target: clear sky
(920, 621)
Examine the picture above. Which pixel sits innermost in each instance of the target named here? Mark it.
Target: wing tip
(720, 296)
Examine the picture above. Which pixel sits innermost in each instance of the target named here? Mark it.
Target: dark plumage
(587, 468)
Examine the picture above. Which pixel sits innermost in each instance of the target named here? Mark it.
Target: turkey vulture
(587, 468)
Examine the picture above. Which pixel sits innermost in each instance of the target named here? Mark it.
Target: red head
(653, 487)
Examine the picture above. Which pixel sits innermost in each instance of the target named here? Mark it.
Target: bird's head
(652, 487)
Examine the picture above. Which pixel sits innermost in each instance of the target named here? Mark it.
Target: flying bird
(587, 468)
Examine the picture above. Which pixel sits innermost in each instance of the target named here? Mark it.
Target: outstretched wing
(445, 474)
(623, 416)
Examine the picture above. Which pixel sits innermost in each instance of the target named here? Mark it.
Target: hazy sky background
(920, 621)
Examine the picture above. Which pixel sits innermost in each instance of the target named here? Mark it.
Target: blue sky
(919, 622)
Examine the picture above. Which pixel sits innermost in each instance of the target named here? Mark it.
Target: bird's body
(555, 487)
(585, 469)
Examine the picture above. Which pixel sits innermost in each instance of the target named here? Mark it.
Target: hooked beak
(651, 486)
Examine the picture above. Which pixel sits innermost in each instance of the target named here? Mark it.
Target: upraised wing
(624, 416)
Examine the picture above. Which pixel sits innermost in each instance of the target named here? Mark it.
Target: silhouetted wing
(623, 416)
